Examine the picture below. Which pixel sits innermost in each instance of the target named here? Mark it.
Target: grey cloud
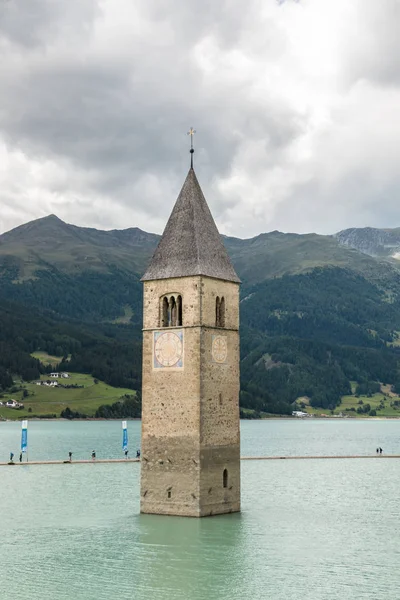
(120, 121)
(32, 23)
(325, 209)
(373, 43)
(102, 94)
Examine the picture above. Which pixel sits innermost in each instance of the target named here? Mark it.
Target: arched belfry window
(171, 310)
(165, 317)
(220, 312)
(225, 478)
(179, 309)
(172, 304)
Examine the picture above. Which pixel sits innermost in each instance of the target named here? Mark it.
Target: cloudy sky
(296, 107)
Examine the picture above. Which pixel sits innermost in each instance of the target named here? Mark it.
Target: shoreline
(252, 458)
(275, 418)
(66, 420)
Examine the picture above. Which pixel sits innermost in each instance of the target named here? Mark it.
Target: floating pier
(377, 456)
(70, 462)
(136, 460)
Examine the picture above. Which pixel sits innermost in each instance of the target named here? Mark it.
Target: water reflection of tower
(181, 559)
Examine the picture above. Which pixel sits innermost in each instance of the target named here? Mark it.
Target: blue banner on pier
(124, 436)
(24, 436)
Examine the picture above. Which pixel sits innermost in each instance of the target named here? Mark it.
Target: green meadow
(47, 359)
(43, 400)
(380, 402)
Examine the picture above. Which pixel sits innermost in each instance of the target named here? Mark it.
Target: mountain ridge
(48, 241)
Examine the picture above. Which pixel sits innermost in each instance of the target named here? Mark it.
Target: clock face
(219, 348)
(168, 349)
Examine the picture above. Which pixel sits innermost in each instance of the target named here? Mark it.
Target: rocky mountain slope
(383, 243)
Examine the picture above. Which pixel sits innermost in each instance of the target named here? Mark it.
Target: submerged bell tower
(190, 457)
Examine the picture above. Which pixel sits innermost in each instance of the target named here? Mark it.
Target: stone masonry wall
(219, 412)
(187, 287)
(210, 289)
(190, 419)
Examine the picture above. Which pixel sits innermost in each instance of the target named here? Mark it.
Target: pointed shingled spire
(190, 244)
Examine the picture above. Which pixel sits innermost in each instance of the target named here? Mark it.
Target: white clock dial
(168, 349)
(219, 348)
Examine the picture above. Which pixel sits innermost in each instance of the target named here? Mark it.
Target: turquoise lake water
(309, 530)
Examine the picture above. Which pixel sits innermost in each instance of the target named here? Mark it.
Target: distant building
(65, 375)
(13, 404)
(299, 414)
(56, 375)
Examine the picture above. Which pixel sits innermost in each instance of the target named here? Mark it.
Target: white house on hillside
(57, 375)
(299, 414)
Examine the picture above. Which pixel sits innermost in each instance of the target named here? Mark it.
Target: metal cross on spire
(191, 132)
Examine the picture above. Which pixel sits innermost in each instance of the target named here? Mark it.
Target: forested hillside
(111, 353)
(315, 333)
(314, 315)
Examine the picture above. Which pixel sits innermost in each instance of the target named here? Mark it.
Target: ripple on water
(309, 530)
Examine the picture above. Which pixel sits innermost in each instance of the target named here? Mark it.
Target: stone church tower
(190, 421)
